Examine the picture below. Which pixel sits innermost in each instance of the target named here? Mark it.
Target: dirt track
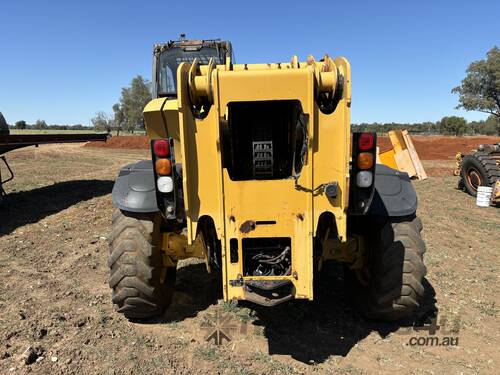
(54, 296)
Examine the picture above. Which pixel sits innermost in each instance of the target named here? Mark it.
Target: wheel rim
(474, 178)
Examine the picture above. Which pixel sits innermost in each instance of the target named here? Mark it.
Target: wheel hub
(474, 178)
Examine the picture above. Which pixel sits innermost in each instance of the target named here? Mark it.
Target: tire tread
(135, 267)
(397, 272)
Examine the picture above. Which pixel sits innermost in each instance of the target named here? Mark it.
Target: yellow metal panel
(266, 200)
(419, 168)
(294, 206)
(264, 85)
(397, 140)
(277, 200)
(171, 115)
(403, 155)
(404, 162)
(331, 164)
(345, 71)
(201, 161)
(331, 156)
(155, 126)
(387, 158)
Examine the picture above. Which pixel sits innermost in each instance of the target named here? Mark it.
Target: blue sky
(62, 61)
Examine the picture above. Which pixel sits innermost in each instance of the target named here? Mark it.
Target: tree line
(449, 125)
(41, 125)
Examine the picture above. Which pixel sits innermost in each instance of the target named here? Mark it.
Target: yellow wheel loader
(251, 171)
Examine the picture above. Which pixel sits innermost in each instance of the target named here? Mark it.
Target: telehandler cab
(250, 170)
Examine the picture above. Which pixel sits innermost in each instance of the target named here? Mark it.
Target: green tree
(119, 118)
(480, 89)
(453, 125)
(132, 102)
(41, 124)
(491, 126)
(102, 122)
(21, 124)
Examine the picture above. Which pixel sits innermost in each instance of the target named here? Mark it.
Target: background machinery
(250, 171)
(480, 168)
(10, 142)
(403, 155)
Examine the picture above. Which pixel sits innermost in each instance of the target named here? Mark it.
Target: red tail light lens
(365, 141)
(161, 148)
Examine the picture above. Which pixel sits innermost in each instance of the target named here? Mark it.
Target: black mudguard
(394, 193)
(135, 189)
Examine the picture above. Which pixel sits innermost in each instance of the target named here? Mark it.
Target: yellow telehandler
(251, 171)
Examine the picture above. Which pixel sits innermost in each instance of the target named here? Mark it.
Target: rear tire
(142, 286)
(478, 169)
(397, 270)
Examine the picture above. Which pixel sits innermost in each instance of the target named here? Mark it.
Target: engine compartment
(267, 256)
(264, 140)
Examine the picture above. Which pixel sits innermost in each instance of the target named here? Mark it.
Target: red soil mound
(441, 147)
(428, 147)
(123, 141)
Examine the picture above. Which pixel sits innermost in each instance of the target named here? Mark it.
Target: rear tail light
(365, 160)
(165, 174)
(364, 179)
(161, 148)
(165, 184)
(362, 172)
(366, 141)
(163, 167)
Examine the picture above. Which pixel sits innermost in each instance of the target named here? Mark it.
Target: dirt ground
(56, 312)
